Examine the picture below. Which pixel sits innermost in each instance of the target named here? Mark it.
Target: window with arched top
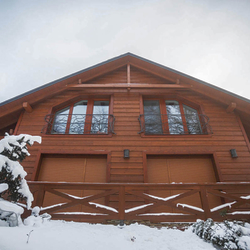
(173, 117)
(82, 117)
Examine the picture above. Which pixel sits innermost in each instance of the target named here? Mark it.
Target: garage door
(182, 169)
(72, 168)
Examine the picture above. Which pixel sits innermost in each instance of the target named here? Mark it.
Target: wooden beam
(79, 81)
(177, 81)
(134, 85)
(128, 76)
(231, 107)
(27, 107)
(128, 73)
(243, 132)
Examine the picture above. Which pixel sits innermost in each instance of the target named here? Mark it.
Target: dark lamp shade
(233, 153)
(126, 153)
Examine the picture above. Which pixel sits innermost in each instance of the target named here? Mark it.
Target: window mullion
(164, 116)
(183, 118)
(89, 113)
(69, 118)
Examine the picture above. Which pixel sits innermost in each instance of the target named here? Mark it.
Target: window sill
(77, 135)
(177, 135)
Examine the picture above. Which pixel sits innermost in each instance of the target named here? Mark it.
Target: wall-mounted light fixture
(126, 153)
(233, 153)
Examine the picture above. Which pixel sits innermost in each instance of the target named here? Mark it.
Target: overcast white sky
(43, 40)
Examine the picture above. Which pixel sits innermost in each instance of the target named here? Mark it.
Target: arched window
(172, 117)
(82, 117)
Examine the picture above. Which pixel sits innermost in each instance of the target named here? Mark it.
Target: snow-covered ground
(71, 235)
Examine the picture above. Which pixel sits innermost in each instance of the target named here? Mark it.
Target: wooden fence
(100, 202)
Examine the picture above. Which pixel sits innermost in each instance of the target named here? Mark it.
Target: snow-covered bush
(13, 186)
(232, 235)
(35, 219)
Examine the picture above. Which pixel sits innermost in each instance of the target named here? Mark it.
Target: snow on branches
(231, 235)
(13, 149)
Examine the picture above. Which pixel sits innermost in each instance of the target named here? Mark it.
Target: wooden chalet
(129, 139)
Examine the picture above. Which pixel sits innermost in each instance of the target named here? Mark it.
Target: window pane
(100, 117)
(78, 118)
(60, 121)
(192, 119)
(152, 117)
(174, 117)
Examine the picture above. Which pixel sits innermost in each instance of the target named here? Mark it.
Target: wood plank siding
(227, 132)
(126, 108)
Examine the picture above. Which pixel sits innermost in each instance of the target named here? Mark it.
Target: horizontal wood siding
(117, 76)
(227, 133)
(141, 76)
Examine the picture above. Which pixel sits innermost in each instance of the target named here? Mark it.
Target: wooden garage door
(72, 168)
(182, 169)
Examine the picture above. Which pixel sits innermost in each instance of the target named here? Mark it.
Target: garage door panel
(191, 169)
(158, 174)
(186, 169)
(157, 170)
(96, 170)
(182, 169)
(62, 169)
(73, 168)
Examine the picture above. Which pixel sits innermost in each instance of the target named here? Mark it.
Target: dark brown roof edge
(116, 58)
(61, 79)
(193, 78)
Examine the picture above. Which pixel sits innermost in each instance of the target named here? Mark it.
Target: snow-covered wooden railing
(154, 202)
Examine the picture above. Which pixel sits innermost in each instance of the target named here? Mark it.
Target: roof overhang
(11, 108)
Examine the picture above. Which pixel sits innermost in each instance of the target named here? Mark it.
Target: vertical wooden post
(108, 175)
(243, 132)
(144, 165)
(40, 196)
(128, 73)
(18, 122)
(121, 215)
(128, 76)
(204, 202)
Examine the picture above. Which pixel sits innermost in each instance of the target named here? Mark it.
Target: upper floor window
(172, 117)
(82, 117)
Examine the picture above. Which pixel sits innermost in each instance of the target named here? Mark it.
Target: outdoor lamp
(233, 153)
(126, 153)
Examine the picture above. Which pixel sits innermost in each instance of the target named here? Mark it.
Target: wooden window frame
(182, 101)
(70, 103)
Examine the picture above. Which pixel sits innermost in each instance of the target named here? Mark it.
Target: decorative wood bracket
(231, 107)
(27, 107)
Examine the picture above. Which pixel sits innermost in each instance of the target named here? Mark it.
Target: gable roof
(13, 106)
